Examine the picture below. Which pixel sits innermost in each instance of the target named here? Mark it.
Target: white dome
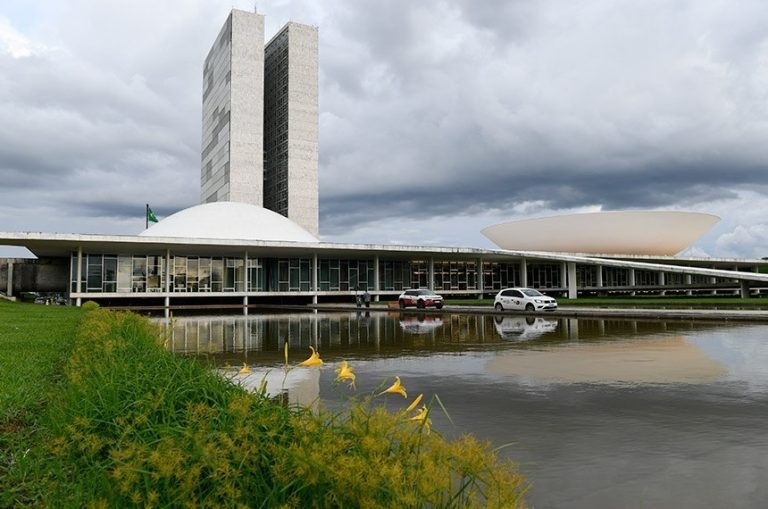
(228, 220)
(653, 233)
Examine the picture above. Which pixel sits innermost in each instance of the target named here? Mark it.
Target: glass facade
(397, 275)
(455, 275)
(615, 276)
(646, 278)
(544, 275)
(586, 275)
(497, 275)
(276, 124)
(341, 275)
(183, 274)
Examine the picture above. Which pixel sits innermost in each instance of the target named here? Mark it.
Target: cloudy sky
(437, 117)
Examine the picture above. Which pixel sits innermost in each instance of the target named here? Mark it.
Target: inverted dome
(654, 233)
(228, 220)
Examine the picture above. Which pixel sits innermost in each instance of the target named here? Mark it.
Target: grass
(34, 343)
(131, 424)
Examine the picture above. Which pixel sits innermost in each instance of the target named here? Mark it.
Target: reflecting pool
(598, 413)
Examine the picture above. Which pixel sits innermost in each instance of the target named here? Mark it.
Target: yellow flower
(344, 373)
(314, 359)
(244, 370)
(396, 388)
(422, 417)
(414, 404)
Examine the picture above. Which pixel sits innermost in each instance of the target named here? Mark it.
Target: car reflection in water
(420, 324)
(523, 328)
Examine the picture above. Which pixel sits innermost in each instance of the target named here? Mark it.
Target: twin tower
(260, 118)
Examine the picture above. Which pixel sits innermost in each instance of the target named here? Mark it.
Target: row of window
(126, 274)
(148, 273)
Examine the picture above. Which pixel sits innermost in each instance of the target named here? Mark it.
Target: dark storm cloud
(437, 108)
(455, 108)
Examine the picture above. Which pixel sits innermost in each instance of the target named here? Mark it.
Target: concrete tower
(260, 119)
(233, 113)
(291, 125)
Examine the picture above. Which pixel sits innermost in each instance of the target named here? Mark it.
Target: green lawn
(34, 343)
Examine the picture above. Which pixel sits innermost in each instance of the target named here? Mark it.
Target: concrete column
(744, 289)
(79, 285)
(247, 275)
(167, 306)
(599, 276)
(167, 272)
(431, 282)
(9, 291)
(245, 305)
(479, 276)
(572, 289)
(631, 281)
(315, 288)
(523, 273)
(662, 282)
(563, 275)
(376, 286)
(688, 282)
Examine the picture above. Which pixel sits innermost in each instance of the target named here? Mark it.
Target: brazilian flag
(151, 217)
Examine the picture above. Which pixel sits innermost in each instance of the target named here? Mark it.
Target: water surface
(598, 413)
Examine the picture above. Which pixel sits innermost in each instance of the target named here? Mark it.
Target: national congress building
(254, 237)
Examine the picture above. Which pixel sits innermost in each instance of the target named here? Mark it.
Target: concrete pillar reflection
(573, 329)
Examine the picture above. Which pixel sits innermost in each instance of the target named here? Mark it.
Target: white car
(523, 299)
(420, 298)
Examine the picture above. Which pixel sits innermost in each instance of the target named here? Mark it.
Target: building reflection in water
(259, 338)
(541, 348)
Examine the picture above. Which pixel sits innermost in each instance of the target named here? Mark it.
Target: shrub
(137, 425)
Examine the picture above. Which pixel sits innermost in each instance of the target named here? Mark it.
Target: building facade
(291, 125)
(232, 162)
(260, 119)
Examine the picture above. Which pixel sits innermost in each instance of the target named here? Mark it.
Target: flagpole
(146, 217)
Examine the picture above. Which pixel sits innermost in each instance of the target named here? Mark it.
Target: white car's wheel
(499, 307)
